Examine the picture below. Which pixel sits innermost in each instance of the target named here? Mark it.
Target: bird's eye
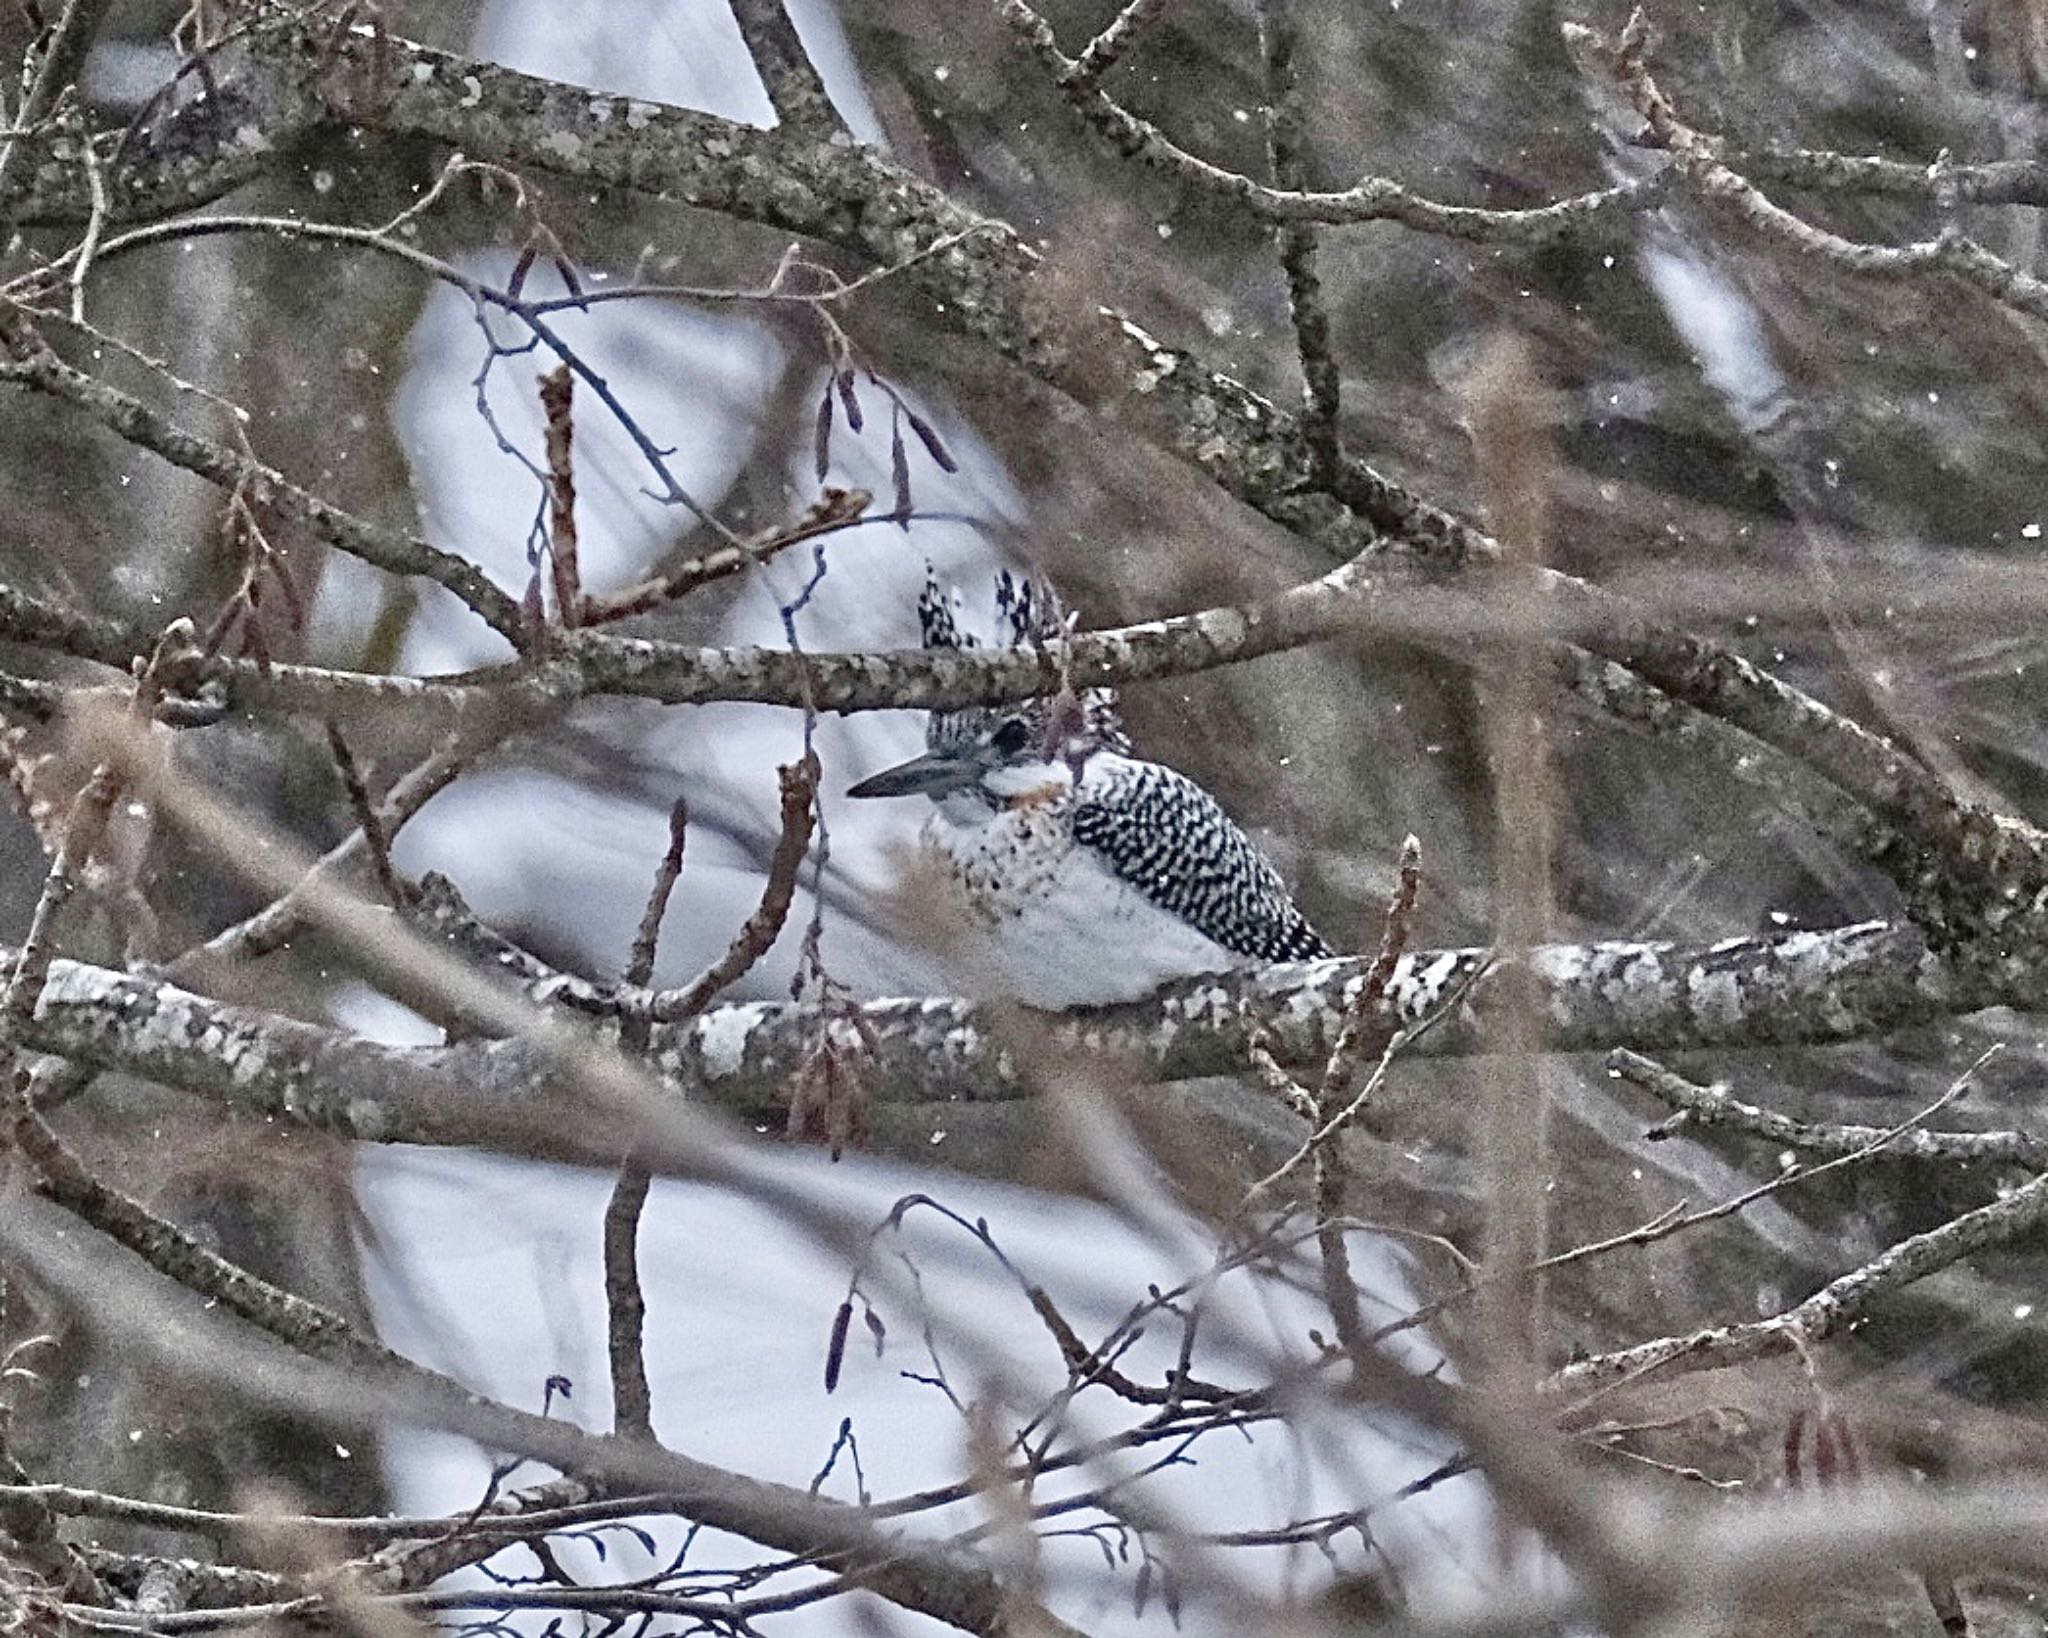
(1009, 739)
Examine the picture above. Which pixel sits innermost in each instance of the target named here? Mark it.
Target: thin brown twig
(95, 228)
(799, 782)
(84, 827)
(369, 823)
(647, 936)
(1505, 400)
(626, 1305)
(837, 509)
(24, 775)
(1336, 1107)
(1397, 925)
(626, 1302)
(1092, 1365)
(557, 398)
(1398, 1041)
(1274, 1078)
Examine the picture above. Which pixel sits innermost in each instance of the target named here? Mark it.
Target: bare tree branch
(30, 363)
(1801, 987)
(794, 89)
(1838, 1304)
(1714, 1106)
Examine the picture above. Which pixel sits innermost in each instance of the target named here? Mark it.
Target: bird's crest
(938, 614)
(1028, 611)
(1028, 614)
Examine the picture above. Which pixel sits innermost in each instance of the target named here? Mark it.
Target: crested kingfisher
(1093, 876)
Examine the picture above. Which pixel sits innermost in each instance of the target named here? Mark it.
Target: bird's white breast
(1057, 927)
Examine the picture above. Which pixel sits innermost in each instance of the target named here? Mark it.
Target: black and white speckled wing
(1167, 837)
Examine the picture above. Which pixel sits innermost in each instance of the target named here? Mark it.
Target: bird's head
(1003, 752)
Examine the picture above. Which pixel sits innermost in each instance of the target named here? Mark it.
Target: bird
(1088, 875)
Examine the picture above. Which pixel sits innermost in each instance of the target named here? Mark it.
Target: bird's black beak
(933, 774)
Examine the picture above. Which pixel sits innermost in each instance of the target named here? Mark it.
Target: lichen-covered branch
(794, 89)
(509, 1093)
(1376, 198)
(1710, 1106)
(1837, 1304)
(1699, 162)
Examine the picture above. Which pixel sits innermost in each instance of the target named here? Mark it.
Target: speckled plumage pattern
(1164, 834)
(1090, 891)
(1027, 612)
(1090, 877)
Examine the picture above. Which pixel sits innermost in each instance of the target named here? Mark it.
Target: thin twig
(1840, 1303)
(369, 824)
(626, 1305)
(799, 782)
(1517, 465)
(1398, 1041)
(1336, 1107)
(1286, 152)
(1107, 48)
(632, 1400)
(83, 830)
(1714, 1106)
(646, 938)
(1362, 1017)
(95, 226)
(557, 397)
(837, 509)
